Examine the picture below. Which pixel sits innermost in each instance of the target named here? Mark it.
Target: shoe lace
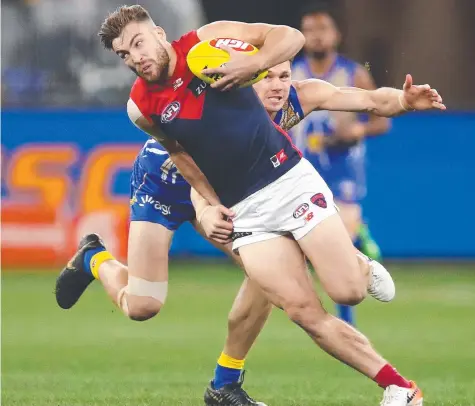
(239, 392)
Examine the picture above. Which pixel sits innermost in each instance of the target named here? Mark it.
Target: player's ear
(160, 32)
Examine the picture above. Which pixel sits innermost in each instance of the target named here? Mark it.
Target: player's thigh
(226, 248)
(279, 267)
(157, 209)
(148, 248)
(331, 252)
(350, 213)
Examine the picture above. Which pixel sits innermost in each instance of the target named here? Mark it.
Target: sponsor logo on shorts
(279, 158)
(149, 200)
(301, 210)
(240, 234)
(170, 112)
(319, 200)
(309, 217)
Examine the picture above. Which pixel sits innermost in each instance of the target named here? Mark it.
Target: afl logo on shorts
(301, 210)
(170, 112)
(319, 200)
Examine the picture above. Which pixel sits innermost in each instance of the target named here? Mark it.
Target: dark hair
(319, 7)
(115, 22)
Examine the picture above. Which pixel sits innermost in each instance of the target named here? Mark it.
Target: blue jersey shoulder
(291, 112)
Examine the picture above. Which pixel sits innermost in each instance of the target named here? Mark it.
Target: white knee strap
(142, 287)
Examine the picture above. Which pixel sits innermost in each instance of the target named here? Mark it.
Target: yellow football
(207, 54)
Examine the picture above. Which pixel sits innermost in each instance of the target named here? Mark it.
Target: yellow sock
(97, 260)
(229, 362)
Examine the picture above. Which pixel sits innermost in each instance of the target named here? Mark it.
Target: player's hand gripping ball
(208, 54)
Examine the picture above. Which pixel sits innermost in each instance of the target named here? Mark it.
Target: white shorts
(293, 204)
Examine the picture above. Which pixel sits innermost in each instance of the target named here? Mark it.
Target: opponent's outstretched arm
(276, 43)
(316, 94)
(183, 161)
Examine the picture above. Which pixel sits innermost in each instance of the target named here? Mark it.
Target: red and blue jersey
(229, 135)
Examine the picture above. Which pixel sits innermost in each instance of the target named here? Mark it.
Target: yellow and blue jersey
(343, 168)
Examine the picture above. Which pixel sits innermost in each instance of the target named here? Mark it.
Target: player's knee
(141, 309)
(302, 312)
(142, 299)
(349, 293)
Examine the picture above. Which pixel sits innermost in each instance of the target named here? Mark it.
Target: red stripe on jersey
(288, 138)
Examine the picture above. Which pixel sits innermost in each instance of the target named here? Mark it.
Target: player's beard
(162, 64)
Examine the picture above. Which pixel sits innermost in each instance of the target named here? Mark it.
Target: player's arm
(377, 124)
(317, 94)
(276, 43)
(215, 220)
(183, 161)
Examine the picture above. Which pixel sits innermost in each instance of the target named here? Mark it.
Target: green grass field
(92, 355)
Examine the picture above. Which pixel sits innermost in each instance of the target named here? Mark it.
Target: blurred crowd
(52, 57)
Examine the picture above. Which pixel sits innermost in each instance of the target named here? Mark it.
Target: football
(208, 54)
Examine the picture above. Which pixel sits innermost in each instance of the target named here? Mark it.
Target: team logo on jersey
(279, 158)
(301, 210)
(319, 200)
(289, 117)
(170, 112)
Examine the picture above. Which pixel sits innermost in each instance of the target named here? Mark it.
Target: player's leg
(350, 213)
(247, 317)
(366, 243)
(140, 289)
(249, 312)
(346, 282)
(284, 279)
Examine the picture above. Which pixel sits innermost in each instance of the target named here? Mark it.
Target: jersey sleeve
(138, 100)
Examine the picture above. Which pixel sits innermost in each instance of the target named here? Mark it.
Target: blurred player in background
(334, 142)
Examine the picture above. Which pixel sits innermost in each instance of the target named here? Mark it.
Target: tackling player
(243, 173)
(287, 102)
(338, 154)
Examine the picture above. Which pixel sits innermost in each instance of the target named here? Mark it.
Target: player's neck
(320, 67)
(173, 59)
